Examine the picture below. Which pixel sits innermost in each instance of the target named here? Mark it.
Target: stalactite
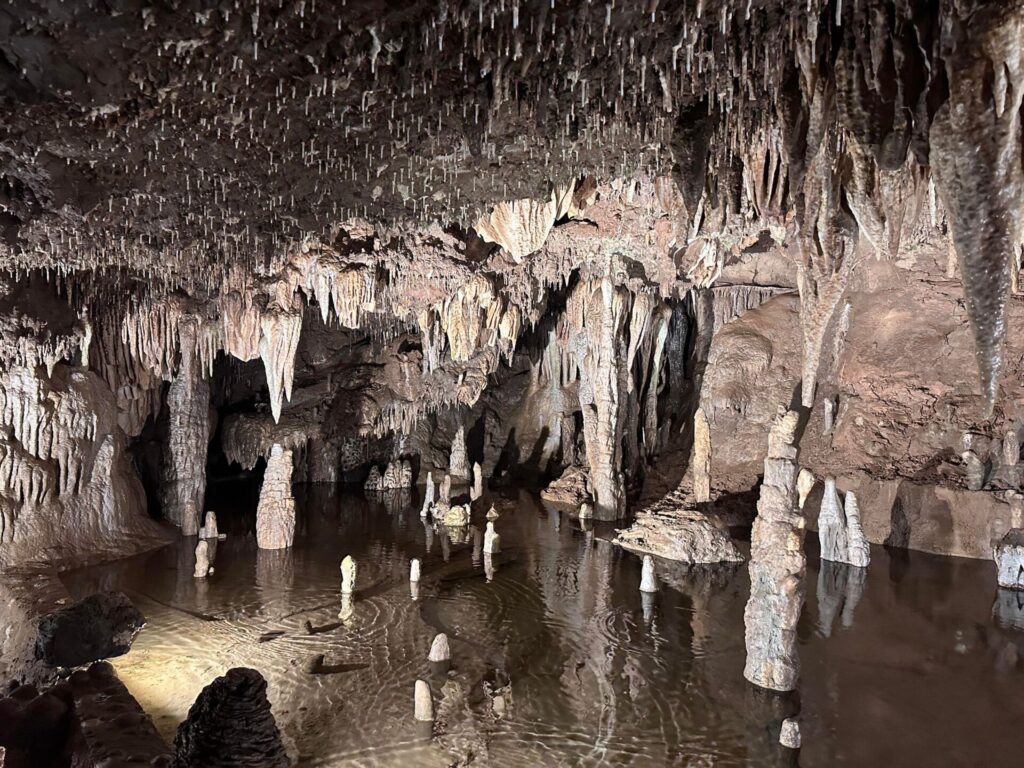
(281, 329)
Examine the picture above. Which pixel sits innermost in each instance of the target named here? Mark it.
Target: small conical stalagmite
(423, 704)
(478, 483)
(414, 570)
(209, 529)
(492, 541)
(832, 525)
(439, 650)
(348, 575)
(648, 580)
(804, 485)
(789, 736)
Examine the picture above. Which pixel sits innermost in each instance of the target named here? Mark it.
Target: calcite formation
(839, 530)
(777, 566)
(275, 514)
(1009, 557)
(231, 724)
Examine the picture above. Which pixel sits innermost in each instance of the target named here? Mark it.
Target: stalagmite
(789, 736)
(492, 541)
(858, 549)
(428, 495)
(804, 485)
(457, 516)
(832, 525)
(183, 476)
(209, 529)
(777, 566)
(373, 480)
(977, 471)
(478, 482)
(648, 579)
(414, 570)
(202, 560)
(439, 650)
(348, 575)
(458, 464)
(701, 457)
(445, 490)
(423, 704)
(275, 513)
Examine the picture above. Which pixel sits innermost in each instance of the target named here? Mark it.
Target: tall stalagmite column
(777, 566)
(275, 514)
(188, 403)
(599, 397)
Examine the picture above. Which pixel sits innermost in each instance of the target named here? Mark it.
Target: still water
(917, 664)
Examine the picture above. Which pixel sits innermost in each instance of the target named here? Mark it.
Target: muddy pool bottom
(916, 664)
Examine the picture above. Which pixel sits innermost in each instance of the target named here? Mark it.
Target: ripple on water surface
(592, 672)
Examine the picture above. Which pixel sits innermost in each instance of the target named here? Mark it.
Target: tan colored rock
(684, 535)
(701, 457)
(777, 567)
(348, 575)
(457, 516)
(275, 513)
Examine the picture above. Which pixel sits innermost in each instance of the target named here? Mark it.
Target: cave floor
(923, 669)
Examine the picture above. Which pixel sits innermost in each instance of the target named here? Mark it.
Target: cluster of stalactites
(473, 317)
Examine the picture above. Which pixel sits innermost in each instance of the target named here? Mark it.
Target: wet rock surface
(97, 627)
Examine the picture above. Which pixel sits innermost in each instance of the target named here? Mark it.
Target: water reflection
(557, 658)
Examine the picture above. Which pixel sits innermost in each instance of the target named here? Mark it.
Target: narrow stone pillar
(348, 575)
(202, 568)
(458, 464)
(423, 704)
(701, 457)
(648, 579)
(183, 473)
(275, 514)
(601, 389)
(439, 649)
(478, 482)
(492, 541)
(777, 566)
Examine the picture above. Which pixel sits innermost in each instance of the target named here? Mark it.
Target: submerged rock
(789, 736)
(456, 516)
(684, 535)
(231, 725)
(97, 627)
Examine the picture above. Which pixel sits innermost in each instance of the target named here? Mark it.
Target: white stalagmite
(458, 464)
(445, 490)
(701, 457)
(1011, 448)
(275, 513)
(777, 566)
(789, 736)
(414, 570)
(209, 529)
(804, 485)
(423, 704)
(492, 541)
(348, 575)
(202, 568)
(183, 474)
(428, 495)
(648, 578)
(478, 482)
(832, 525)
(439, 650)
(858, 549)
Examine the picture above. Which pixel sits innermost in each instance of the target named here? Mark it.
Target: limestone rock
(275, 513)
(648, 579)
(478, 482)
(97, 627)
(684, 535)
(229, 725)
(373, 480)
(398, 474)
(439, 650)
(777, 566)
(832, 525)
(701, 457)
(209, 529)
(428, 495)
(423, 703)
(569, 489)
(1009, 557)
(348, 575)
(458, 465)
(804, 485)
(492, 541)
(789, 736)
(414, 570)
(457, 516)
(202, 568)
